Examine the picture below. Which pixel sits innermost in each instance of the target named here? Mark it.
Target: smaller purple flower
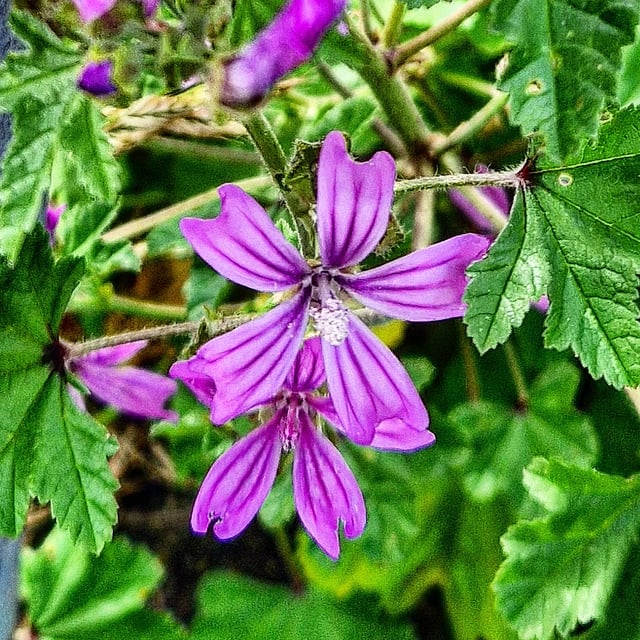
(96, 78)
(51, 219)
(131, 390)
(288, 41)
(324, 489)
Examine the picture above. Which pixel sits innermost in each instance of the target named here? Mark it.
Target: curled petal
(244, 245)
(133, 391)
(423, 286)
(150, 7)
(325, 490)
(112, 356)
(248, 365)
(288, 41)
(238, 483)
(370, 389)
(307, 372)
(194, 373)
(354, 201)
(388, 436)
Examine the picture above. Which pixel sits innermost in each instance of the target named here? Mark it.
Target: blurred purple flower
(89, 10)
(500, 198)
(95, 78)
(51, 219)
(131, 390)
(282, 46)
(371, 391)
(324, 488)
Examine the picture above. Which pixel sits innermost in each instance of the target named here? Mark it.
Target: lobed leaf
(564, 64)
(573, 234)
(561, 569)
(48, 447)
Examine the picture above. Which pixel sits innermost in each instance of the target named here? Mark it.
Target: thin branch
(401, 54)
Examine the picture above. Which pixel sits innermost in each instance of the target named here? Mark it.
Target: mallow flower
(132, 390)
(51, 218)
(284, 44)
(324, 489)
(96, 78)
(370, 390)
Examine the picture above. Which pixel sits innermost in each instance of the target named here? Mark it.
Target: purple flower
(283, 45)
(91, 9)
(371, 391)
(324, 489)
(95, 78)
(131, 390)
(51, 219)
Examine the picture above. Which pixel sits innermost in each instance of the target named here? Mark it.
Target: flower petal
(288, 41)
(389, 435)
(131, 390)
(423, 286)
(370, 389)
(238, 483)
(307, 372)
(96, 78)
(112, 356)
(91, 9)
(194, 373)
(325, 490)
(248, 365)
(354, 201)
(244, 245)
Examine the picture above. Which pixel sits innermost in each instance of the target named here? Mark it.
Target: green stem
(137, 227)
(517, 375)
(470, 367)
(289, 558)
(365, 12)
(389, 90)
(494, 178)
(402, 53)
(393, 27)
(276, 162)
(470, 127)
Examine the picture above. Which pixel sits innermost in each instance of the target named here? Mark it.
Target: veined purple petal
(354, 201)
(307, 372)
(370, 389)
(238, 483)
(131, 390)
(91, 9)
(112, 356)
(389, 436)
(248, 365)
(288, 41)
(195, 374)
(52, 217)
(325, 491)
(244, 245)
(96, 78)
(423, 286)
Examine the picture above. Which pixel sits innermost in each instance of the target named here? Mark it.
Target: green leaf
(237, 607)
(500, 442)
(57, 131)
(573, 234)
(415, 4)
(71, 593)
(564, 64)
(561, 569)
(48, 447)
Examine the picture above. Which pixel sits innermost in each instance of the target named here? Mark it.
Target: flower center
(329, 316)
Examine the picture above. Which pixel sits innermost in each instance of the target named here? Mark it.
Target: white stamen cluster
(331, 320)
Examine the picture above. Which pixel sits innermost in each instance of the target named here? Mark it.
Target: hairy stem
(393, 27)
(402, 53)
(455, 180)
(517, 375)
(276, 162)
(137, 227)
